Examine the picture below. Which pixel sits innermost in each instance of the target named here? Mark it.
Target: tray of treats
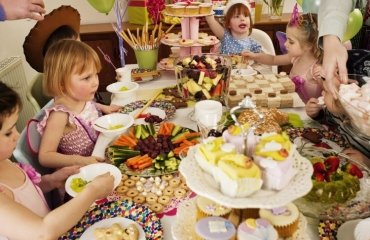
(151, 149)
(172, 95)
(200, 42)
(189, 214)
(144, 75)
(161, 194)
(266, 90)
(216, 171)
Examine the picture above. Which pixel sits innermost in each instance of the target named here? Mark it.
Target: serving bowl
(123, 89)
(355, 100)
(203, 77)
(114, 124)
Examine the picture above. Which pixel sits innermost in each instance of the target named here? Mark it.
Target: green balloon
(103, 6)
(299, 2)
(354, 24)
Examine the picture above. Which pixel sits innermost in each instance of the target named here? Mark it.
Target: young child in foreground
(238, 26)
(302, 52)
(24, 213)
(333, 114)
(71, 78)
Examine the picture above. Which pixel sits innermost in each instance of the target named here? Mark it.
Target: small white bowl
(116, 89)
(107, 123)
(154, 111)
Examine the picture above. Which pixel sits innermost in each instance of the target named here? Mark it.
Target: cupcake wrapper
(287, 231)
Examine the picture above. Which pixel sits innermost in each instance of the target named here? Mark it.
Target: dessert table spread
(182, 118)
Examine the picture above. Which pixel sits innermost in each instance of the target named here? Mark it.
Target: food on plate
(205, 8)
(78, 184)
(123, 88)
(335, 180)
(138, 74)
(172, 37)
(215, 228)
(234, 134)
(275, 155)
(203, 77)
(186, 42)
(117, 126)
(285, 219)
(117, 232)
(208, 208)
(256, 229)
(192, 10)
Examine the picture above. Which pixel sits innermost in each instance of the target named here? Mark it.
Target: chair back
(266, 43)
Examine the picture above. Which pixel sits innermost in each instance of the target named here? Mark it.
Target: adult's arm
(20, 9)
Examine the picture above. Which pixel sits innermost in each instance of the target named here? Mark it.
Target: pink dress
(80, 141)
(305, 85)
(29, 194)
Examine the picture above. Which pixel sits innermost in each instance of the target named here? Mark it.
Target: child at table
(24, 213)
(70, 77)
(238, 22)
(333, 114)
(302, 52)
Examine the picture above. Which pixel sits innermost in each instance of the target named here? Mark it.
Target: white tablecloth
(167, 79)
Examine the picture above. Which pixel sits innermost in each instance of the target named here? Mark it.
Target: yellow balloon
(354, 24)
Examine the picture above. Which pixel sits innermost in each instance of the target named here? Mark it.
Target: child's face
(292, 44)
(8, 136)
(240, 24)
(83, 86)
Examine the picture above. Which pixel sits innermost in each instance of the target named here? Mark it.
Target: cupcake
(238, 175)
(215, 228)
(284, 219)
(256, 229)
(208, 208)
(274, 154)
(235, 136)
(178, 10)
(205, 8)
(168, 8)
(192, 10)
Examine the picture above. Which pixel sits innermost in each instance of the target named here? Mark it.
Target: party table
(182, 117)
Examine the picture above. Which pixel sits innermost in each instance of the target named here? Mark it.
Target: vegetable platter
(151, 149)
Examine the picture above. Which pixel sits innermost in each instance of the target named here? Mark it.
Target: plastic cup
(147, 59)
(208, 111)
(123, 74)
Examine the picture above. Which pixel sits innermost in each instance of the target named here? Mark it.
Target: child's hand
(59, 176)
(249, 55)
(357, 155)
(313, 107)
(102, 185)
(110, 109)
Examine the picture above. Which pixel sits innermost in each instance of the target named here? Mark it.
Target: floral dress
(82, 140)
(230, 45)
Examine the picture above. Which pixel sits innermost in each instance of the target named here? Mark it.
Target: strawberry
(283, 152)
(322, 145)
(353, 170)
(319, 177)
(319, 167)
(332, 163)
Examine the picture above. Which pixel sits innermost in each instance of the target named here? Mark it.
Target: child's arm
(53, 132)
(108, 109)
(57, 178)
(18, 222)
(268, 59)
(217, 29)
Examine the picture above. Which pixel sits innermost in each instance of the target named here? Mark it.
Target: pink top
(80, 141)
(305, 85)
(30, 196)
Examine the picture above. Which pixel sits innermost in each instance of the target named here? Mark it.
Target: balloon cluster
(154, 9)
(354, 23)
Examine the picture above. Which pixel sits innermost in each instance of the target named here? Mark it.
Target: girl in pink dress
(303, 52)
(71, 78)
(24, 213)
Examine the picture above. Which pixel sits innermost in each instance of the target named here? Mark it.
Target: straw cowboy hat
(34, 43)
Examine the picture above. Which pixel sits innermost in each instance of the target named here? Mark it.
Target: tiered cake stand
(190, 30)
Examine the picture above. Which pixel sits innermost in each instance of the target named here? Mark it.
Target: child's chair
(266, 43)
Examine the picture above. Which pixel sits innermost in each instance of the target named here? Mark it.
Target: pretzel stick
(132, 37)
(170, 28)
(153, 34)
(148, 104)
(138, 34)
(143, 35)
(127, 39)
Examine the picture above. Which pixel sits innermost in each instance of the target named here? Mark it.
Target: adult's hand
(334, 63)
(20, 9)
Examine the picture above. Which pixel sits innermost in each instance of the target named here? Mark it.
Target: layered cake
(256, 229)
(274, 154)
(284, 219)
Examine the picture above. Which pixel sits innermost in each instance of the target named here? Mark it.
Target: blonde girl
(71, 78)
(24, 213)
(302, 52)
(234, 36)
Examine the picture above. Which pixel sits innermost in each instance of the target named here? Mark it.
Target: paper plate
(89, 172)
(142, 215)
(166, 106)
(153, 111)
(249, 71)
(106, 223)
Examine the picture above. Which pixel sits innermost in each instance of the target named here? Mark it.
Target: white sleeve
(333, 17)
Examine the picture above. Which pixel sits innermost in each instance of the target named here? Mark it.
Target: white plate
(362, 230)
(124, 222)
(345, 231)
(89, 172)
(154, 111)
(299, 141)
(184, 225)
(204, 185)
(243, 72)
